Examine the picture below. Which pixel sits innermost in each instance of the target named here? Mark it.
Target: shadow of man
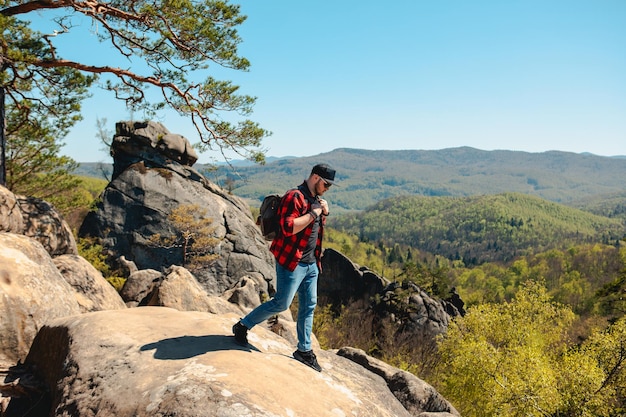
(185, 347)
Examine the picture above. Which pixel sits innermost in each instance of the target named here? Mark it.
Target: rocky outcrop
(92, 291)
(11, 219)
(155, 361)
(38, 219)
(148, 141)
(41, 277)
(146, 187)
(139, 286)
(32, 292)
(416, 395)
(179, 289)
(343, 282)
(44, 223)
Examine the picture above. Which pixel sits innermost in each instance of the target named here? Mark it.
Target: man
(298, 250)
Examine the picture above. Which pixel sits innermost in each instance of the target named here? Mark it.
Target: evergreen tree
(168, 41)
(34, 166)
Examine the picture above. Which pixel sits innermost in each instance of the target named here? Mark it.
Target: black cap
(325, 172)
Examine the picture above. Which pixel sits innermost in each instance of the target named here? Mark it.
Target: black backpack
(268, 216)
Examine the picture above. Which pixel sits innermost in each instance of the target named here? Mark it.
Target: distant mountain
(247, 163)
(95, 169)
(614, 156)
(367, 177)
(104, 170)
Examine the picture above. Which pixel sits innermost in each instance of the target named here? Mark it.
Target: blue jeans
(302, 280)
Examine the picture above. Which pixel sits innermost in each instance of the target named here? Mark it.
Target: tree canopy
(166, 43)
(515, 359)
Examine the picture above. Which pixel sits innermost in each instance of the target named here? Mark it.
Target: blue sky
(531, 75)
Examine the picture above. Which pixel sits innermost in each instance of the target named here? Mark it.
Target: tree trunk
(3, 165)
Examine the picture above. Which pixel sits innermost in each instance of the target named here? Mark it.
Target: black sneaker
(307, 358)
(241, 333)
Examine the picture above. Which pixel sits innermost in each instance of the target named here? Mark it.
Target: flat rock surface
(157, 361)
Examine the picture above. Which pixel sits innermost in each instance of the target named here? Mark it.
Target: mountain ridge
(366, 177)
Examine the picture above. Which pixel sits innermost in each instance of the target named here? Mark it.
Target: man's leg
(307, 300)
(287, 283)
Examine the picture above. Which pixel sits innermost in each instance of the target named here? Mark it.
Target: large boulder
(38, 219)
(156, 361)
(44, 223)
(137, 204)
(32, 292)
(139, 286)
(92, 291)
(343, 282)
(416, 395)
(178, 289)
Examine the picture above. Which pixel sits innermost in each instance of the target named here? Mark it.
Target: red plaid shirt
(288, 247)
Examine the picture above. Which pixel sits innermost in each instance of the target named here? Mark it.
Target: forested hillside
(478, 229)
(613, 205)
(367, 177)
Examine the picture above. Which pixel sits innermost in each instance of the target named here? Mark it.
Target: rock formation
(155, 361)
(32, 292)
(92, 292)
(415, 395)
(139, 285)
(147, 185)
(36, 218)
(149, 141)
(41, 277)
(343, 282)
(179, 289)
(11, 219)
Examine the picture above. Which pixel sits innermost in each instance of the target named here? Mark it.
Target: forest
(481, 228)
(544, 287)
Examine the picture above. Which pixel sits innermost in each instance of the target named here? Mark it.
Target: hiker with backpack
(297, 248)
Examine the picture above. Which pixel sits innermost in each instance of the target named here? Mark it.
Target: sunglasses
(326, 183)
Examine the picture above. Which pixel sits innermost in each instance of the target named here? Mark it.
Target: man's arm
(292, 222)
(300, 223)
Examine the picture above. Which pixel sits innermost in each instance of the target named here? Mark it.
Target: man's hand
(317, 208)
(324, 205)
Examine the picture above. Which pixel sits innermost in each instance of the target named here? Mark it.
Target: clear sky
(529, 75)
